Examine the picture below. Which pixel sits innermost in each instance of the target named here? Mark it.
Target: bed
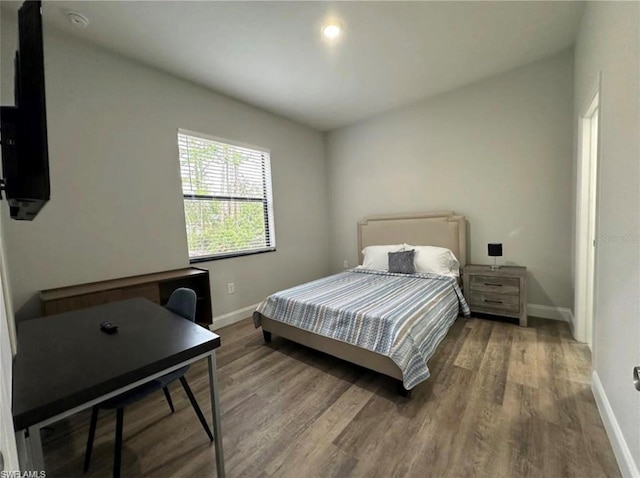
(390, 323)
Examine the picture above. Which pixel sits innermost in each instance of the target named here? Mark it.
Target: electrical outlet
(345, 264)
(231, 288)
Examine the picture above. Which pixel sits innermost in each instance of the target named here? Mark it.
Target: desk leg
(22, 445)
(215, 411)
(36, 448)
(29, 447)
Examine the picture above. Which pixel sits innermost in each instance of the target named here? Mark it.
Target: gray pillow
(402, 262)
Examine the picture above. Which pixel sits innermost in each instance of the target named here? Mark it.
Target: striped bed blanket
(403, 317)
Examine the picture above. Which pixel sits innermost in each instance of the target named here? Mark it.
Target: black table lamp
(495, 250)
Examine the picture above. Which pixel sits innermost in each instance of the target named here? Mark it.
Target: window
(228, 204)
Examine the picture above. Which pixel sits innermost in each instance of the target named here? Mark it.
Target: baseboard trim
(548, 312)
(232, 317)
(628, 467)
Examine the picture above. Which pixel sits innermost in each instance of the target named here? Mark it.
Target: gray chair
(183, 303)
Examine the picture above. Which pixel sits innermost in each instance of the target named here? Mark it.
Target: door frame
(584, 325)
(8, 347)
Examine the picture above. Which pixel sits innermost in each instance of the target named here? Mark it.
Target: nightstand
(501, 292)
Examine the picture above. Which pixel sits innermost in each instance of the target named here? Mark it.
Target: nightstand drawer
(497, 302)
(501, 285)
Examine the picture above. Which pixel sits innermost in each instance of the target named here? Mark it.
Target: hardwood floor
(502, 401)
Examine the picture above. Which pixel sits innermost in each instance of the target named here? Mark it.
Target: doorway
(586, 224)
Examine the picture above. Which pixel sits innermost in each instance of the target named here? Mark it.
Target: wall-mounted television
(23, 127)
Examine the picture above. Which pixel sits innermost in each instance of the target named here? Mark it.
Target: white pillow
(435, 260)
(377, 257)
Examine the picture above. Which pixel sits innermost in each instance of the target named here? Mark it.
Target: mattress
(401, 316)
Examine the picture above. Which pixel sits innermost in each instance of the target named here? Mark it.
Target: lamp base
(495, 267)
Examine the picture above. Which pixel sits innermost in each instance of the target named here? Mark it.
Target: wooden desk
(66, 364)
(157, 287)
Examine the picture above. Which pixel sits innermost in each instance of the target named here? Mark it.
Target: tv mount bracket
(7, 114)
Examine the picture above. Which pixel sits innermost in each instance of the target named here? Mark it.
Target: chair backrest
(183, 303)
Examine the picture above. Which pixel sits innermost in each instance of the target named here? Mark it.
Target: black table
(66, 364)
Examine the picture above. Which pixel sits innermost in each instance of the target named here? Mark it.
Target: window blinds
(228, 201)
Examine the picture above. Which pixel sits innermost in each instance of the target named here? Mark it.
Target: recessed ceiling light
(78, 20)
(331, 30)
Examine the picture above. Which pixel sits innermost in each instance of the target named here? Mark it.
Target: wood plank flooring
(502, 401)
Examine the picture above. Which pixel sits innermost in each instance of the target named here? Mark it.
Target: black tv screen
(23, 127)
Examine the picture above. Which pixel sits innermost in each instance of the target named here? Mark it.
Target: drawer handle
(493, 285)
(493, 301)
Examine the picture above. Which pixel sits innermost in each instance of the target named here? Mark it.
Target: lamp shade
(495, 250)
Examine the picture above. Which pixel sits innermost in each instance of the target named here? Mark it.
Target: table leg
(22, 446)
(215, 411)
(29, 447)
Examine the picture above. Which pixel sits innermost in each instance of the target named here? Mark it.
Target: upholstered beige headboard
(441, 228)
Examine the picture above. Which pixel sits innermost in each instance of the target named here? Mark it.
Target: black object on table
(65, 364)
(108, 327)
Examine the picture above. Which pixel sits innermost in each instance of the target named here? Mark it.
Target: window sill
(195, 260)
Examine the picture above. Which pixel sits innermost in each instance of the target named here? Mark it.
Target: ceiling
(271, 54)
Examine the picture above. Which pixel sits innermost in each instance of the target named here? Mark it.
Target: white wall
(609, 42)
(116, 204)
(7, 350)
(498, 151)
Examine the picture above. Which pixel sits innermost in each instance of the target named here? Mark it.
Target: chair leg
(195, 406)
(117, 452)
(92, 434)
(267, 336)
(167, 395)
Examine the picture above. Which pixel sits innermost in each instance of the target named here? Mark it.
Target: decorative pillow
(436, 260)
(402, 262)
(376, 257)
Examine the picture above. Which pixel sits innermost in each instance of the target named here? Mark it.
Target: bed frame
(442, 228)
